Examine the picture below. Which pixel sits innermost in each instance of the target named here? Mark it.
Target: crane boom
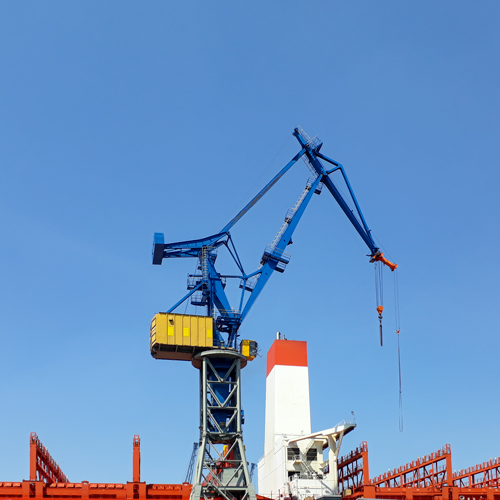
(207, 287)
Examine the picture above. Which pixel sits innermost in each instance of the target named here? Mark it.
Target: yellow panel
(209, 337)
(249, 349)
(194, 331)
(159, 328)
(180, 330)
(170, 330)
(186, 321)
(245, 350)
(200, 331)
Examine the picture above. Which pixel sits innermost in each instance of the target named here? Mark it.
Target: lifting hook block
(379, 257)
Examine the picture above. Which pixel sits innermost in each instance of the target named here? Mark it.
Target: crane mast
(210, 341)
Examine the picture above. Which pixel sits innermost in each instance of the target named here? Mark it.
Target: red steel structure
(85, 490)
(353, 468)
(136, 467)
(423, 479)
(431, 470)
(47, 481)
(485, 475)
(42, 466)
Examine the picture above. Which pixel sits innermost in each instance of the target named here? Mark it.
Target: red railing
(42, 466)
(485, 475)
(353, 470)
(430, 470)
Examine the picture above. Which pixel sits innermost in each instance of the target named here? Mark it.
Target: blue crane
(192, 462)
(210, 342)
(206, 287)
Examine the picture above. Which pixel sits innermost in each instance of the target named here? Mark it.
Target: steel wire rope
(380, 246)
(379, 284)
(398, 330)
(251, 189)
(379, 294)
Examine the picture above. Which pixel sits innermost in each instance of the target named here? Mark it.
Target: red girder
(136, 460)
(485, 475)
(42, 466)
(353, 468)
(423, 479)
(47, 482)
(431, 470)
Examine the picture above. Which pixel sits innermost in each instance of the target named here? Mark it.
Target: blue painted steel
(195, 289)
(182, 248)
(224, 392)
(210, 284)
(192, 461)
(263, 191)
(276, 255)
(158, 247)
(374, 249)
(312, 156)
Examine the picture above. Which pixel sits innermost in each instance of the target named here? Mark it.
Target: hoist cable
(396, 299)
(379, 295)
(398, 329)
(257, 180)
(379, 284)
(400, 394)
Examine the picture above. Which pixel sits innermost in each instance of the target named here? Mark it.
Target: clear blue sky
(121, 119)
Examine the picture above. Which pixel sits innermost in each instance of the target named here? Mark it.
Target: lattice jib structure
(485, 475)
(353, 469)
(42, 466)
(430, 470)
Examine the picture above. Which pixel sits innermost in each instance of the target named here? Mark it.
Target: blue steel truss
(206, 288)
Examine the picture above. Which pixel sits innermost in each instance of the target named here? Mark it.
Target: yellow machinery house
(180, 336)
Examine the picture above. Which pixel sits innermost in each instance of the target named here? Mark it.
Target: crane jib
(207, 286)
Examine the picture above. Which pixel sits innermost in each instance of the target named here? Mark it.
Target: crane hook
(379, 310)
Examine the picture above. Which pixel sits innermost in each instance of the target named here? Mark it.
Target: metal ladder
(290, 214)
(204, 263)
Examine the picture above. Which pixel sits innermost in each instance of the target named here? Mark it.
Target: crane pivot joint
(379, 257)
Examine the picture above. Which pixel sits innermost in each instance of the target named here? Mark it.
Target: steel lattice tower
(221, 467)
